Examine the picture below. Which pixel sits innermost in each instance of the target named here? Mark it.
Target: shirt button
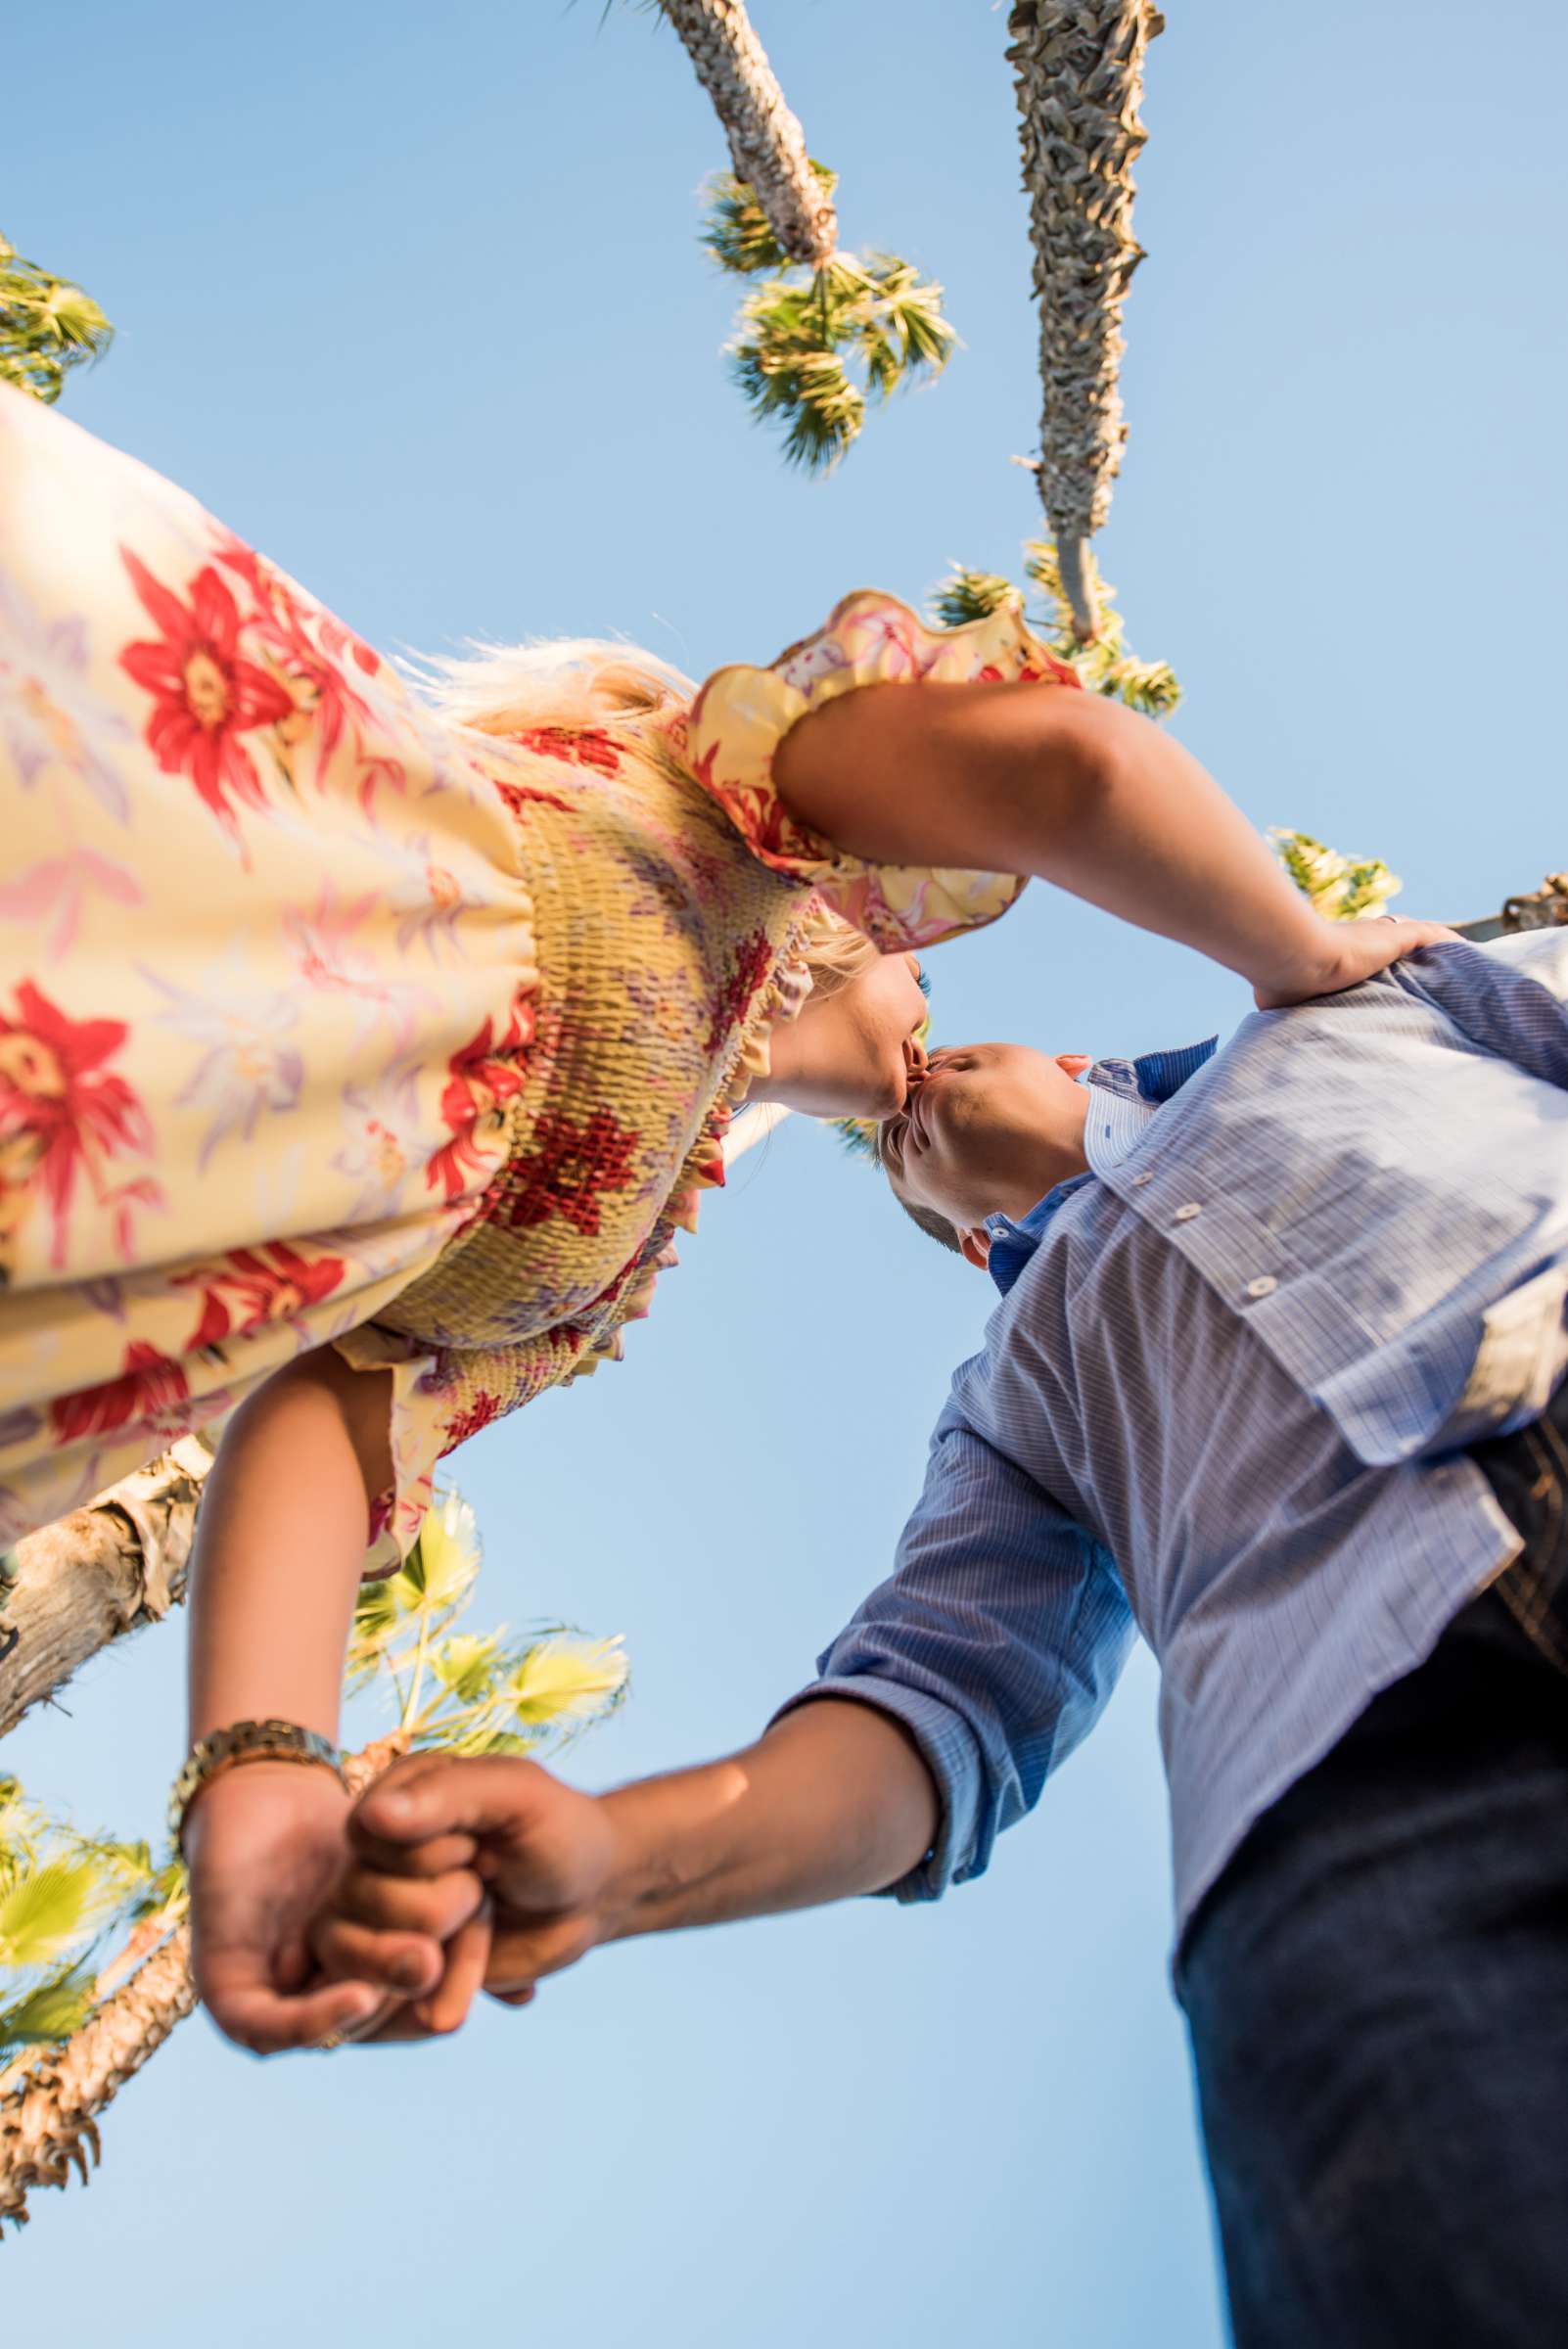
(1184, 1215)
(1264, 1286)
(1145, 1176)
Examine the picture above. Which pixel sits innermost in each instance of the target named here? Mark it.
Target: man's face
(988, 1129)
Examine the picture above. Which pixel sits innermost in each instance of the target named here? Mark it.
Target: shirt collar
(1141, 1085)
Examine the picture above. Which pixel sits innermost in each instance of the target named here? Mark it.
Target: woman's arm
(280, 1546)
(1082, 793)
(280, 1542)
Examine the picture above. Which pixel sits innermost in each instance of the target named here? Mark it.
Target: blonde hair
(568, 684)
(835, 953)
(564, 681)
(572, 683)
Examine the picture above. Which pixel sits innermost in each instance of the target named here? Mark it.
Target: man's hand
(468, 1873)
(266, 1843)
(1346, 953)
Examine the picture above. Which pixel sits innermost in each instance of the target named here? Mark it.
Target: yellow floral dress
(323, 1020)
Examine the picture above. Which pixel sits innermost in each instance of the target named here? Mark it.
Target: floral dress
(326, 1020)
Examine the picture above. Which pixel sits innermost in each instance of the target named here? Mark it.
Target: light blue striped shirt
(1223, 1399)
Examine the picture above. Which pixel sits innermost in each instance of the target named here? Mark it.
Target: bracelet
(245, 1742)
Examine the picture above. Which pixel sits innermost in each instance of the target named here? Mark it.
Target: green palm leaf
(47, 326)
(798, 336)
(1344, 889)
(968, 595)
(1104, 664)
(51, 1907)
(566, 1678)
(50, 2012)
(469, 1666)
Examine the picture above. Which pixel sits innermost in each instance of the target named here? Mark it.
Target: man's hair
(936, 1228)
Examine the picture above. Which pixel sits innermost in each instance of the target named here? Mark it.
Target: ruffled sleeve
(440, 1396)
(742, 714)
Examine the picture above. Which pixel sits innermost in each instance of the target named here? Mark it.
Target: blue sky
(412, 299)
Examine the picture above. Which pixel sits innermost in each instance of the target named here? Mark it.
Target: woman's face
(852, 1055)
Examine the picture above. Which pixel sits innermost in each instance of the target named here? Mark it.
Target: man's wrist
(647, 1875)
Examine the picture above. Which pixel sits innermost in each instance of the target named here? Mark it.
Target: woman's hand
(1346, 953)
(266, 1843)
(469, 1875)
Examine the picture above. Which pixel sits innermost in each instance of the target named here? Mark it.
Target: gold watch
(245, 1741)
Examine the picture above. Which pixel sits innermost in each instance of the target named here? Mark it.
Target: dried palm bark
(48, 2125)
(767, 144)
(97, 1574)
(1078, 69)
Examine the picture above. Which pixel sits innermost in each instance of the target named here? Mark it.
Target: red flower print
(579, 746)
(1054, 672)
(519, 796)
(149, 1386)
(482, 1076)
(761, 819)
(754, 960)
(338, 640)
(325, 699)
(270, 1283)
(479, 1414)
(204, 694)
(59, 1109)
(567, 1175)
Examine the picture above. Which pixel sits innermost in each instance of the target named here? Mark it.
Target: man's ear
(976, 1248)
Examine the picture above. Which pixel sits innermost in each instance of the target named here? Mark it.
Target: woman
(360, 1054)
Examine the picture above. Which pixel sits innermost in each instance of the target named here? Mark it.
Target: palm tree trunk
(767, 144)
(1077, 69)
(49, 2122)
(49, 2125)
(73, 1586)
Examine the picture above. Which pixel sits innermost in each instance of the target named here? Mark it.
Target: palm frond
(47, 326)
(47, 2013)
(969, 595)
(568, 1679)
(468, 1667)
(798, 338)
(1103, 665)
(1344, 889)
(54, 1907)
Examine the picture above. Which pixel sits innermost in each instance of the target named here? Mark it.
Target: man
(1277, 1377)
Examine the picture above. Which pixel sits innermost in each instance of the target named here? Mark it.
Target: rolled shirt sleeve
(996, 1641)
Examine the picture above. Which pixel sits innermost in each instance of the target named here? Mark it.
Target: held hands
(266, 1845)
(466, 1875)
(1346, 953)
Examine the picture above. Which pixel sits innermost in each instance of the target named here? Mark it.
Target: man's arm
(834, 1800)
(959, 1684)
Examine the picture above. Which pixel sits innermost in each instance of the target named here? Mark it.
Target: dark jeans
(1377, 1990)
